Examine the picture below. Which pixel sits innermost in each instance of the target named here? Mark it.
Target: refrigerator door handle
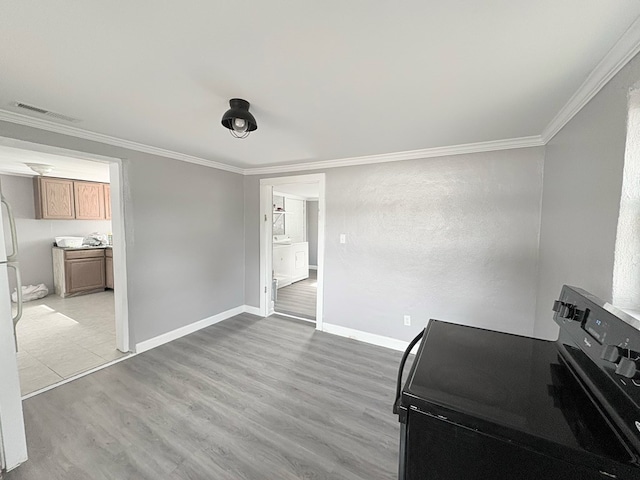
(12, 227)
(18, 314)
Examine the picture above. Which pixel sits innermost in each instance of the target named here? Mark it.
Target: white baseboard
(187, 329)
(313, 267)
(252, 310)
(366, 337)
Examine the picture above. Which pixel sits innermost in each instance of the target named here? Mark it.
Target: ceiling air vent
(42, 111)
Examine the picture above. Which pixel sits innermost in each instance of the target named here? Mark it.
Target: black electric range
(483, 404)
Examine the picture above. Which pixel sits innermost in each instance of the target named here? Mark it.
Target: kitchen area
(62, 215)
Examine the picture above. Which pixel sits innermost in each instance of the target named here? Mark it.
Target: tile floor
(61, 337)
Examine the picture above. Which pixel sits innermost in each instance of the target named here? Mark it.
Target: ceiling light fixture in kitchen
(238, 119)
(40, 168)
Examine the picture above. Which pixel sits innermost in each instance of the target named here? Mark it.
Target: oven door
(434, 449)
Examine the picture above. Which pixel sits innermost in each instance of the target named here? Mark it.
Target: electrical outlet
(343, 238)
(407, 320)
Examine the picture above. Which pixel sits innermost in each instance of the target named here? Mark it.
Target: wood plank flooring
(247, 398)
(299, 298)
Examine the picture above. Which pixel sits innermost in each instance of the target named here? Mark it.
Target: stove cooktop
(507, 385)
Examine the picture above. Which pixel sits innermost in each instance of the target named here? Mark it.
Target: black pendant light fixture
(238, 119)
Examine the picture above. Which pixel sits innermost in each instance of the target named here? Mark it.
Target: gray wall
(184, 235)
(581, 198)
(36, 237)
(454, 238)
(312, 231)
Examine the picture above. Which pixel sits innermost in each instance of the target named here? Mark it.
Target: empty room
(320, 240)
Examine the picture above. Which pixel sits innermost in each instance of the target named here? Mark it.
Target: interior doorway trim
(266, 239)
(117, 183)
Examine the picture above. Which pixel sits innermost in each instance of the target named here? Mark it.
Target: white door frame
(117, 225)
(266, 239)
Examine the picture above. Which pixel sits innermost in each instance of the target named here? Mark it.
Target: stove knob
(627, 368)
(561, 308)
(610, 353)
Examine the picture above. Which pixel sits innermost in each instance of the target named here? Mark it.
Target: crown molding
(511, 143)
(620, 54)
(50, 126)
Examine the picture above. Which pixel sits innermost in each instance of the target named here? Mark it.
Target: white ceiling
(13, 160)
(327, 80)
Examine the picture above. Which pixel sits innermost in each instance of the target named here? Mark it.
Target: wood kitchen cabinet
(107, 201)
(89, 200)
(108, 267)
(78, 271)
(54, 198)
(66, 199)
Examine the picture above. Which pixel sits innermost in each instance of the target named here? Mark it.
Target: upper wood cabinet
(89, 200)
(54, 198)
(107, 201)
(65, 199)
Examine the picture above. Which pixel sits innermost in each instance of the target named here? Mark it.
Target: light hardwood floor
(299, 298)
(248, 398)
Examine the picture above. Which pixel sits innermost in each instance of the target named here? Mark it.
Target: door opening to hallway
(292, 246)
(295, 250)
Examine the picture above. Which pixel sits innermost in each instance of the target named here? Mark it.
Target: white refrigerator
(13, 445)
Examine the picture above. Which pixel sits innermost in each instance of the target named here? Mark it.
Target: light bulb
(240, 125)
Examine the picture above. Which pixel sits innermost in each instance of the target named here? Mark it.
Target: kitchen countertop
(86, 247)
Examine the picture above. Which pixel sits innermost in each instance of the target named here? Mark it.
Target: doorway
(295, 250)
(292, 246)
(69, 324)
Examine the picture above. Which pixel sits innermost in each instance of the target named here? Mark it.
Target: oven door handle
(396, 404)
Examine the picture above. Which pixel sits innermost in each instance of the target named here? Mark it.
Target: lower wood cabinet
(80, 271)
(108, 267)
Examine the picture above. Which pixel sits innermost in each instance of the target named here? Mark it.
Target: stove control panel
(602, 344)
(627, 361)
(609, 337)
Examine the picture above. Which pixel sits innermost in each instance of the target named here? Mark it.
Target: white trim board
(620, 54)
(187, 329)
(366, 337)
(627, 46)
(50, 126)
(492, 146)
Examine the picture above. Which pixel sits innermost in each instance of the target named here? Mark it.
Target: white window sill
(635, 313)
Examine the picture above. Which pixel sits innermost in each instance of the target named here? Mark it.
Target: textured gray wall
(312, 231)
(454, 238)
(581, 198)
(36, 237)
(184, 233)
